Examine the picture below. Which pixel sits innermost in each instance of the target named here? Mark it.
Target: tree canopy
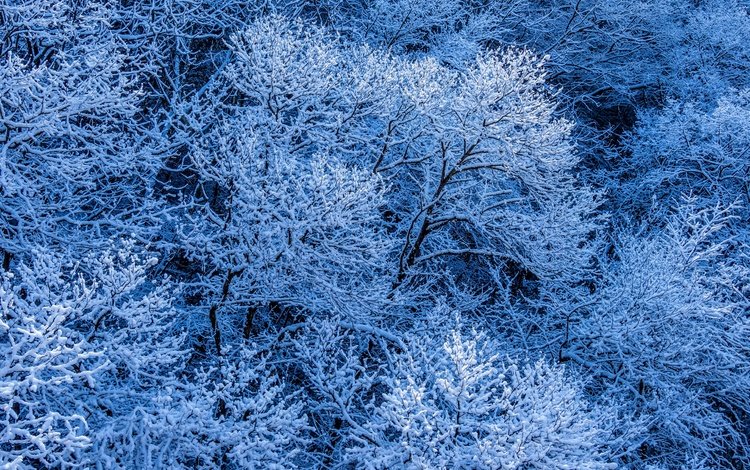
(374, 234)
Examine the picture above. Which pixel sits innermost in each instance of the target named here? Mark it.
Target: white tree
(282, 214)
(704, 49)
(298, 232)
(43, 363)
(448, 166)
(461, 406)
(479, 158)
(82, 344)
(342, 365)
(667, 337)
(237, 414)
(685, 150)
(77, 165)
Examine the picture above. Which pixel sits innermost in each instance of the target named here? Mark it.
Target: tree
(237, 414)
(452, 166)
(299, 225)
(450, 31)
(77, 165)
(42, 359)
(339, 365)
(460, 406)
(480, 158)
(686, 151)
(82, 345)
(667, 336)
(302, 233)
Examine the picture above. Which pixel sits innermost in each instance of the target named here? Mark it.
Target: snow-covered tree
(668, 335)
(682, 151)
(451, 31)
(77, 166)
(341, 365)
(459, 167)
(479, 157)
(300, 232)
(704, 52)
(44, 363)
(462, 406)
(235, 415)
(83, 343)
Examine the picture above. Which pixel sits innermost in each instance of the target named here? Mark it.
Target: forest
(375, 234)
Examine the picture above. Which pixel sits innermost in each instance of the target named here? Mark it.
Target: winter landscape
(375, 234)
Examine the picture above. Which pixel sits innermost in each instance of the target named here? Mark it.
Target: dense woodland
(419, 234)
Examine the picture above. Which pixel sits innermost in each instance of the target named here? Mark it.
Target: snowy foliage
(75, 160)
(461, 406)
(669, 332)
(81, 344)
(684, 150)
(234, 234)
(486, 159)
(236, 415)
